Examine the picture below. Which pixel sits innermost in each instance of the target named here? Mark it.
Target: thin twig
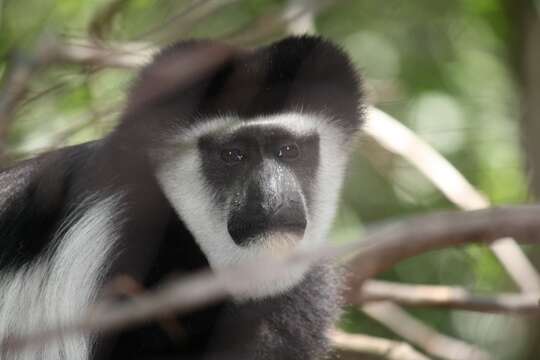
(265, 26)
(16, 80)
(176, 18)
(189, 15)
(446, 296)
(384, 348)
(120, 55)
(22, 67)
(424, 336)
(184, 24)
(304, 20)
(15, 86)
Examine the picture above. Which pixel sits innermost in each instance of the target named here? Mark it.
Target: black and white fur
(155, 198)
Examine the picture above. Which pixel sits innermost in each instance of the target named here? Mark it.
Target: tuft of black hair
(196, 80)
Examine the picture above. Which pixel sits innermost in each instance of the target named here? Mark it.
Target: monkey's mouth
(246, 234)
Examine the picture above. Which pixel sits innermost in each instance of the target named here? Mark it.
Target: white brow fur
(184, 185)
(56, 288)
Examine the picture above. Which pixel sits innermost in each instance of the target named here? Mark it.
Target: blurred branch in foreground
(381, 248)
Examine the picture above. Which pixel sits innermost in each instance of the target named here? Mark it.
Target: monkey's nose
(253, 221)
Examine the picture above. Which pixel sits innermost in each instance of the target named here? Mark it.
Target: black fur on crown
(195, 80)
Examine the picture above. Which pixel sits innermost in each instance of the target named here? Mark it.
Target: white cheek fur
(181, 178)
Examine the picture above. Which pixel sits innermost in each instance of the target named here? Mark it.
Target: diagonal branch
(364, 344)
(297, 16)
(395, 137)
(424, 336)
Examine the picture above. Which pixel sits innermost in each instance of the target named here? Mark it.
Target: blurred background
(464, 75)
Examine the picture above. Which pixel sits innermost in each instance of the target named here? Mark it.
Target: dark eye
(232, 156)
(289, 151)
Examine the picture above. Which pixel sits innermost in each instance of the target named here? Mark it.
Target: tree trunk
(525, 52)
(527, 55)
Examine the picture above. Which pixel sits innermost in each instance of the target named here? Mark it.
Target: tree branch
(16, 80)
(424, 336)
(121, 55)
(446, 296)
(181, 24)
(381, 248)
(265, 26)
(386, 349)
(395, 137)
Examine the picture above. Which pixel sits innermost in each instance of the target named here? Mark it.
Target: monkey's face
(255, 187)
(261, 178)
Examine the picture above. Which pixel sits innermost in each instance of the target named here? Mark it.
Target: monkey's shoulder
(33, 196)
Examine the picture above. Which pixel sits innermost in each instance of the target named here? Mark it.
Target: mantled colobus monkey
(221, 155)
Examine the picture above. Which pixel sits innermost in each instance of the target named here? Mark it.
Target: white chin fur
(277, 244)
(274, 246)
(184, 186)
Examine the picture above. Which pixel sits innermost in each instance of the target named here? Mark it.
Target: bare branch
(395, 137)
(446, 296)
(386, 349)
(16, 80)
(381, 248)
(14, 87)
(126, 55)
(130, 55)
(415, 235)
(181, 24)
(304, 19)
(50, 51)
(178, 18)
(267, 25)
(425, 337)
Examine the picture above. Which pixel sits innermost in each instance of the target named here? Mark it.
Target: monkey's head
(251, 145)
